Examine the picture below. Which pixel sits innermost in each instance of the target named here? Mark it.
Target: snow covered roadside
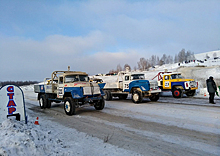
(50, 138)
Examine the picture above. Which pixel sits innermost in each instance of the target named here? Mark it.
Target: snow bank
(18, 138)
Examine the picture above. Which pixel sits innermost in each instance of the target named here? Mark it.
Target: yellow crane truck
(173, 81)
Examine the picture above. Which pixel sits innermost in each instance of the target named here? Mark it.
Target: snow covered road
(187, 126)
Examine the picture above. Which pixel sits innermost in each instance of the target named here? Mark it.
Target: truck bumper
(149, 93)
(194, 88)
(155, 91)
(92, 99)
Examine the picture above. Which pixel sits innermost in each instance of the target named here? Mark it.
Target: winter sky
(38, 37)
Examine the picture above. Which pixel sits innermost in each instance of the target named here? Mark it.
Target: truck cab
(169, 78)
(71, 80)
(128, 78)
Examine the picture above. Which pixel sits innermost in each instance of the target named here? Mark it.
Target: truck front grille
(192, 84)
(153, 85)
(91, 90)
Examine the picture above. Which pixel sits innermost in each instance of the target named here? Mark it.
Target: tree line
(17, 83)
(145, 63)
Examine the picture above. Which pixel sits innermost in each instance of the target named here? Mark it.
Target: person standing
(211, 87)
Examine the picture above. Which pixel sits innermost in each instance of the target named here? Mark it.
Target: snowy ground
(18, 138)
(52, 138)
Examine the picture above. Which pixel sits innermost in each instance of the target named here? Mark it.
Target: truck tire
(43, 101)
(100, 104)
(69, 106)
(191, 93)
(48, 104)
(177, 93)
(108, 95)
(154, 97)
(137, 97)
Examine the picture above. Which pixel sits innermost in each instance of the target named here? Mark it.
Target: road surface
(186, 126)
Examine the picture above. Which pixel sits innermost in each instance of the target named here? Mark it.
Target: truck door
(60, 90)
(166, 82)
(126, 83)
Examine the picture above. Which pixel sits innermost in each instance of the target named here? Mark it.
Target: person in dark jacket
(211, 87)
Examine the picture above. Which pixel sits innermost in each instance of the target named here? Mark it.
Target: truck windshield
(137, 76)
(176, 76)
(74, 78)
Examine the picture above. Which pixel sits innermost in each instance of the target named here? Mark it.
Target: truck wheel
(137, 97)
(69, 106)
(154, 97)
(177, 93)
(48, 104)
(43, 101)
(108, 95)
(191, 93)
(100, 104)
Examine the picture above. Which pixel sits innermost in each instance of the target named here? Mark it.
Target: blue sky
(38, 37)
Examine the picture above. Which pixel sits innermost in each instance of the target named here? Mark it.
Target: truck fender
(75, 92)
(101, 85)
(180, 87)
(134, 89)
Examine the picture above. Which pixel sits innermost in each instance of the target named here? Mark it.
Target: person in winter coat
(211, 87)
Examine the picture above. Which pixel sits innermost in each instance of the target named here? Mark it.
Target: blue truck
(133, 83)
(71, 87)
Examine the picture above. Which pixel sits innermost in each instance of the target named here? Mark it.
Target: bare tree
(126, 65)
(170, 59)
(157, 60)
(112, 71)
(153, 60)
(176, 59)
(119, 68)
(214, 55)
(190, 56)
(161, 62)
(164, 59)
(182, 55)
(148, 64)
(207, 56)
(135, 68)
(142, 64)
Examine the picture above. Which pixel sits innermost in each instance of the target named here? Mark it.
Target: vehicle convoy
(132, 83)
(71, 87)
(174, 82)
